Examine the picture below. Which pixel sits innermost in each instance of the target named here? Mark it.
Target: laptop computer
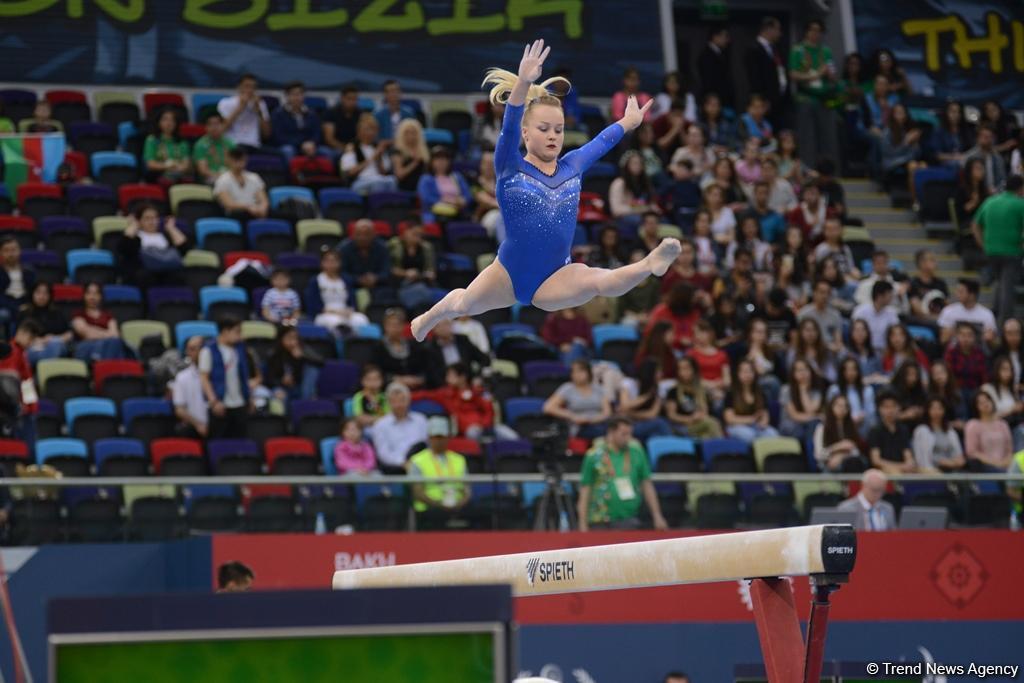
(833, 516)
(924, 518)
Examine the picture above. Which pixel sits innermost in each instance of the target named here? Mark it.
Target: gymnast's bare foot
(663, 255)
(423, 324)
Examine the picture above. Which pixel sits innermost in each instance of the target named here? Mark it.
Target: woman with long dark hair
(644, 407)
(810, 347)
(760, 355)
(56, 336)
(1004, 124)
(97, 334)
(609, 252)
(942, 384)
(1011, 345)
(292, 368)
(860, 349)
(720, 132)
(837, 444)
(673, 89)
(901, 347)
(899, 146)
(988, 443)
(801, 401)
(860, 397)
(972, 189)
(631, 194)
(910, 392)
(684, 269)
(936, 444)
(953, 136)
(165, 154)
(687, 405)
(656, 345)
(1007, 398)
(681, 309)
(884, 63)
(746, 408)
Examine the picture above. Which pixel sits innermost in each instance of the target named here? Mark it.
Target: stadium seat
(606, 332)
(259, 335)
(89, 418)
(260, 427)
(360, 350)
(64, 233)
(290, 456)
(212, 508)
(172, 305)
(340, 204)
(216, 301)
(314, 419)
(338, 378)
(177, 457)
(327, 455)
(120, 457)
(514, 408)
(107, 231)
(470, 239)
(21, 228)
(204, 104)
(183, 331)
(78, 163)
(130, 195)
(119, 379)
(719, 454)
(428, 407)
(155, 103)
(301, 267)
(95, 520)
(68, 106)
(271, 236)
(154, 518)
(147, 419)
(37, 200)
(659, 446)
(60, 379)
(189, 203)
(91, 265)
(35, 522)
(69, 456)
(114, 169)
(123, 301)
(392, 207)
(13, 452)
(279, 194)
(439, 136)
(115, 107)
(779, 454)
(49, 265)
(90, 138)
(316, 233)
(201, 268)
(500, 331)
(233, 257)
(234, 457)
(91, 201)
(717, 511)
(219, 235)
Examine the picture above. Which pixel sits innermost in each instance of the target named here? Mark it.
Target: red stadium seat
(79, 162)
(28, 191)
(13, 450)
(62, 292)
(17, 224)
(287, 445)
(429, 229)
(105, 369)
(468, 447)
(66, 96)
(152, 100)
(161, 449)
(127, 194)
(233, 257)
(191, 131)
(382, 228)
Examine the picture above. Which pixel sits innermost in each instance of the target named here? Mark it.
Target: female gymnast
(539, 197)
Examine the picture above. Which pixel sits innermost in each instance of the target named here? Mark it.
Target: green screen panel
(426, 658)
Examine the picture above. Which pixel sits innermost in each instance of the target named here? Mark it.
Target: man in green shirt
(210, 151)
(998, 226)
(615, 473)
(813, 74)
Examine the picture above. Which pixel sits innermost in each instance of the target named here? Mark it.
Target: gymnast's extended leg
(576, 284)
(491, 289)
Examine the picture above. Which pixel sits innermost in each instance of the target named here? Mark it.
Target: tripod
(555, 506)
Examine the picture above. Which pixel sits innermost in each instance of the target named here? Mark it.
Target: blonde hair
(539, 94)
(421, 147)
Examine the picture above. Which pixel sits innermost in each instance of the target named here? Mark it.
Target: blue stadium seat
(339, 195)
(101, 160)
(267, 226)
(370, 331)
(658, 446)
(189, 328)
(208, 296)
(79, 258)
(209, 226)
(605, 332)
(202, 99)
(502, 330)
(920, 332)
(439, 136)
(711, 448)
(121, 294)
(133, 408)
(87, 405)
(338, 378)
(104, 449)
(327, 455)
(517, 407)
(283, 192)
(428, 407)
(53, 448)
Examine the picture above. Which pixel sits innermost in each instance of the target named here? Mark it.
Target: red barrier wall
(900, 575)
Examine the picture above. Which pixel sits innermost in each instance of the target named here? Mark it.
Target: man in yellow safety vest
(445, 498)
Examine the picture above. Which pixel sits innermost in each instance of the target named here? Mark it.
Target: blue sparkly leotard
(539, 210)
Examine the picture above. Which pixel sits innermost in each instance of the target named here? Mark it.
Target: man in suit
(446, 348)
(713, 67)
(873, 513)
(767, 70)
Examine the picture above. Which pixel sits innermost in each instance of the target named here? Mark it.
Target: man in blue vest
(224, 373)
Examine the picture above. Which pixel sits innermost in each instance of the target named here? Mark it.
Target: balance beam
(794, 551)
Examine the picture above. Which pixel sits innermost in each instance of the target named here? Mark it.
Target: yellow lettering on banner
(373, 18)
(1017, 28)
(127, 12)
(24, 8)
(196, 12)
(303, 17)
(461, 22)
(964, 45)
(572, 10)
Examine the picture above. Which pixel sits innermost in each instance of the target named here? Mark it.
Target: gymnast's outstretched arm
(583, 158)
(506, 152)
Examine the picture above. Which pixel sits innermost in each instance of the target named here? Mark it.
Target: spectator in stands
(831, 189)
(780, 321)
(327, 297)
(96, 331)
(18, 398)
(190, 405)
(813, 73)
(364, 258)
(647, 233)
(879, 314)
(292, 367)
(880, 271)
(909, 390)
(366, 162)
(811, 348)
(791, 167)
(1003, 123)
(755, 126)
(413, 268)
(401, 360)
(210, 152)
(683, 194)
(353, 455)
(673, 89)
(812, 212)
(445, 348)
(468, 403)
(684, 269)
(1010, 345)
(55, 334)
(824, 315)
(246, 117)
(16, 280)
(723, 174)
(942, 384)
(369, 404)
(781, 197)
(224, 373)
(936, 444)
(631, 194)
(889, 440)
(802, 402)
(241, 193)
(884, 63)
(988, 443)
(630, 87)
(880, 100)
(766, 71)
(792, 267)
(745, 407)
(1017, 157)
(728, 323)
(148, 255)
(748, 168)
(757, 353)
(985, 150)
(339, 123)
(723, 220)
(485, 199)
(443, 193)
(680, 309)
(863, 351)
(901, 348)
(953, 136)
(696, 151)
(641, 403)
(712, 362)
(873, 513)
(234, 577)
(486, 134)
(704, 241)
(614, 474)
(998, 227)
(927, 291)
(972, 190)
(966, 360)
(1007, 397)
(860, 397)
(967, 309)
(438, 503)
(281, 303)
(718, 130)
(395, 434)
(608, 252)
(580, 402)
(409, 157)
(42, 120)
(569, 331)
(687, 406)
(900, 148)
(165, 154)
(393, 110)
(296, 127)
(749, 240)
(714, 66)
(837, 443)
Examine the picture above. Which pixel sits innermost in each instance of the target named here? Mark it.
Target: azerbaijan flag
(32, 157)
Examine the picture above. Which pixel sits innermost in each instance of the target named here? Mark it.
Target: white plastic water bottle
(321, 524)
(563, 521)
(1014, 520)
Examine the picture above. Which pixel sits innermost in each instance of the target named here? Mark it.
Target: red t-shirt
(710, 365)
(17, 363)
(682, 325)
(100, 320)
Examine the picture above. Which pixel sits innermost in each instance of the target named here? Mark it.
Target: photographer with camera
(615, 473)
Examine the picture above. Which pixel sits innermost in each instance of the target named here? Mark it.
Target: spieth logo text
(549, 571)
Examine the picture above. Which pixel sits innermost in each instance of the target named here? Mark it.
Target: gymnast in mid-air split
(539, 197)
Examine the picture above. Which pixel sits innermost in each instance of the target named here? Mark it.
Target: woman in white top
(671, 90)
(631, 195)
(936, 444)
(723, 220)
(329, 287)
(699, 154)
(837, 446)
(366, 161)
(1007, 399)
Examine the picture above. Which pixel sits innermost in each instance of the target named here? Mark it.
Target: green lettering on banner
(571, 9)
(374, 17)
(461, 22)
(196, 12)
(303, 17)
(964, 45)
(128, 12)
(24, 8)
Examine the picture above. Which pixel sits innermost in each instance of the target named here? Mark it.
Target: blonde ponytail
(503, 81)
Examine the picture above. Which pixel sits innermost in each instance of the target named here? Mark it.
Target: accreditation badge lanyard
(623, 484)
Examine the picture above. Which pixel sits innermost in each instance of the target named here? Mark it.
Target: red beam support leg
(778, 628)
(817, 628)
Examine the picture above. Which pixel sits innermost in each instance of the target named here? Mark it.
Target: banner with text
(960, 49)
(428, 45)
